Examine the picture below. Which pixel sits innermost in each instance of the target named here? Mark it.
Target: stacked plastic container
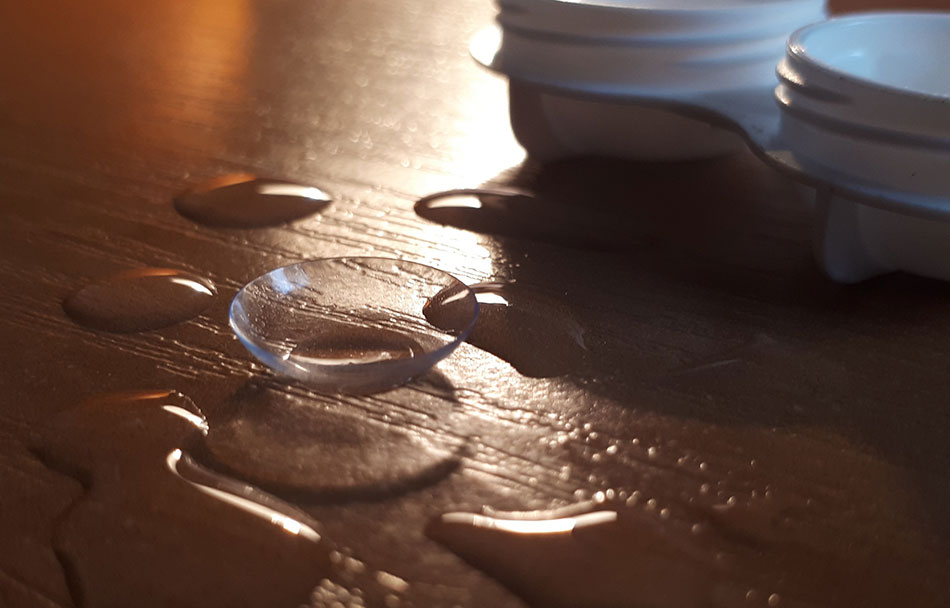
(861, 110)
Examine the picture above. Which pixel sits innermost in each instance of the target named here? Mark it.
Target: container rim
(659, 7)
(797, 49)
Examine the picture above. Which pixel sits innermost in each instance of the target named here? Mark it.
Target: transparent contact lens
(355, 324)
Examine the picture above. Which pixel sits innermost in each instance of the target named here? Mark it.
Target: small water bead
(140, 300)
(353, 324)
(242, 200)
(329, 594)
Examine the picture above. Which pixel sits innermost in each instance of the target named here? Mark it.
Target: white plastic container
(865, 105)
(575, 65)
(862, 113)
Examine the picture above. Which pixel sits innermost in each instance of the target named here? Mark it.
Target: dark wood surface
(718, 361)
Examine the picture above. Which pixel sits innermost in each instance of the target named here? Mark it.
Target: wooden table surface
(769, 437)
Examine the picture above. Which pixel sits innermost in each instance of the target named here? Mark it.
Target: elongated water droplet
(140, 300)
(520, 214)
(156, 527)
(589, 556)
(242, 200)
(607, 553)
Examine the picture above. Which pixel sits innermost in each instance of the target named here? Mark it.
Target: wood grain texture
(720, 363)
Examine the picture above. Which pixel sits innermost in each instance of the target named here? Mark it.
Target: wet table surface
(725, 426)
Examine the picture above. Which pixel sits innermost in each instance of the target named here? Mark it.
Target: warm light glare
(488, 146)
(527, 526)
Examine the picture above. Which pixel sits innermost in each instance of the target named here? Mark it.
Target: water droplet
(152, 525)
(536, 334)
(515, 213)
(241, 200)
(582, 557)
(329, 594)
(140, 300)
(392, 582)
(156, 527)
(353, 324)
(609, 554)
(291, 447)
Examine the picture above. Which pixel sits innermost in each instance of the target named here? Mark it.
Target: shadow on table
(696, 295)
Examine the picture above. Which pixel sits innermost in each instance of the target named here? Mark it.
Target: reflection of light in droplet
(293, 190)
(289, 524)
(193, 285)
(454, 298)
(191, 417)
(492, 298)
(468, 201)
(527, 526)
(392, 582)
